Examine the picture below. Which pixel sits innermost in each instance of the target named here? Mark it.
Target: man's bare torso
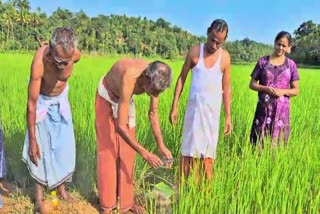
(53, 80)
(132, 69)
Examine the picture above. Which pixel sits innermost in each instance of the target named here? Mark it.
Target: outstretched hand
(153, 160)
(165, 152)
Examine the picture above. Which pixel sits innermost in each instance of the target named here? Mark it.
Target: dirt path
(23, 205)
(16, 201)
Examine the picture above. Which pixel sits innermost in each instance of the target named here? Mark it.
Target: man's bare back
(132, 69)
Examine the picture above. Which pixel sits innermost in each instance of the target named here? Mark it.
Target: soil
(18, 201)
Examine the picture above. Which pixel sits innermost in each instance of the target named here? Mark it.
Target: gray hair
(65, 37)
(160, 75)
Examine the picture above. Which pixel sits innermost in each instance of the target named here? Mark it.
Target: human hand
(168, 159)
(227, 126)
(173, 116)
(153, 160)
(271, 91)
(34, 152)
(279, 92)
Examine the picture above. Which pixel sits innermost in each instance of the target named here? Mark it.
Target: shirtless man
(115, 128)
(49, 148)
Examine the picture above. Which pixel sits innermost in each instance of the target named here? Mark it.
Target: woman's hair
(282, 34)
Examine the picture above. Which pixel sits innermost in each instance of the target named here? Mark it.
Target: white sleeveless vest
(202, 118)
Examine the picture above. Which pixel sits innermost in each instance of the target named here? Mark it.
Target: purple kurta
(272, 116)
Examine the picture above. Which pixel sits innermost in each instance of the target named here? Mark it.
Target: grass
(284, 180)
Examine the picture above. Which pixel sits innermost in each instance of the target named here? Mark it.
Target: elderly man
(115, 128)
(49, 148)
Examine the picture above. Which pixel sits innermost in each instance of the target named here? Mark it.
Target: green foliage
(284, 180)
(120, 34)
(307, 43)
(247, 50)
(111, 35)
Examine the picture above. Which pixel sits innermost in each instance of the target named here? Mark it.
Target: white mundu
(202, 118)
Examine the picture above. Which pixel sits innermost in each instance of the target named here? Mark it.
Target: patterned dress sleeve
(294, 71)
(257, 71)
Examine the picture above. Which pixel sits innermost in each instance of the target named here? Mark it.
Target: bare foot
(136, 209)
(37, 206)
(64, 195)
(38, 197)
(106, 211)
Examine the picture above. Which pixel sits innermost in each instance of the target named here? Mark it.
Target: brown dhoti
(115, 160)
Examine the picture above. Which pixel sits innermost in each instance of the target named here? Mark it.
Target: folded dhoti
(56, 141)
(102, 91)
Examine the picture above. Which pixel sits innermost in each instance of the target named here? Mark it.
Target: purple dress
(272, 116)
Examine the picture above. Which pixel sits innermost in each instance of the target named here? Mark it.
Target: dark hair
(160, 75)
(218, 25)
(65, 37)
(282, 34)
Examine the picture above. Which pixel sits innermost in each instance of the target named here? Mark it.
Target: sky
(254, 19)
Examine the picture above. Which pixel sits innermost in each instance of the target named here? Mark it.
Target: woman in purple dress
(276, 79)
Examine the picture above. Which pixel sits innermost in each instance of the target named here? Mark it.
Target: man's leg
(38, 196)
(107, 155)
(184, 168)
(191, 168)
(126, 176)
(64, 194)
(208, 167)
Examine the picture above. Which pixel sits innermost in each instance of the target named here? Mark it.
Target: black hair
(219, 25)
(284, 34)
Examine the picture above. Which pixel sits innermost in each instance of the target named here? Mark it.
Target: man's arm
(121, 124)
(180, 84)
(33, 94)
(226, 87)
(155, 125)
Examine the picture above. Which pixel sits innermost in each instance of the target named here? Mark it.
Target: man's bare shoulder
(40, 53)
(226, 56)
(225, 60)
(37, 67)
(194, 51)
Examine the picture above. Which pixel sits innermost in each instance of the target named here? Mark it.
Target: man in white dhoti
(210, 66)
